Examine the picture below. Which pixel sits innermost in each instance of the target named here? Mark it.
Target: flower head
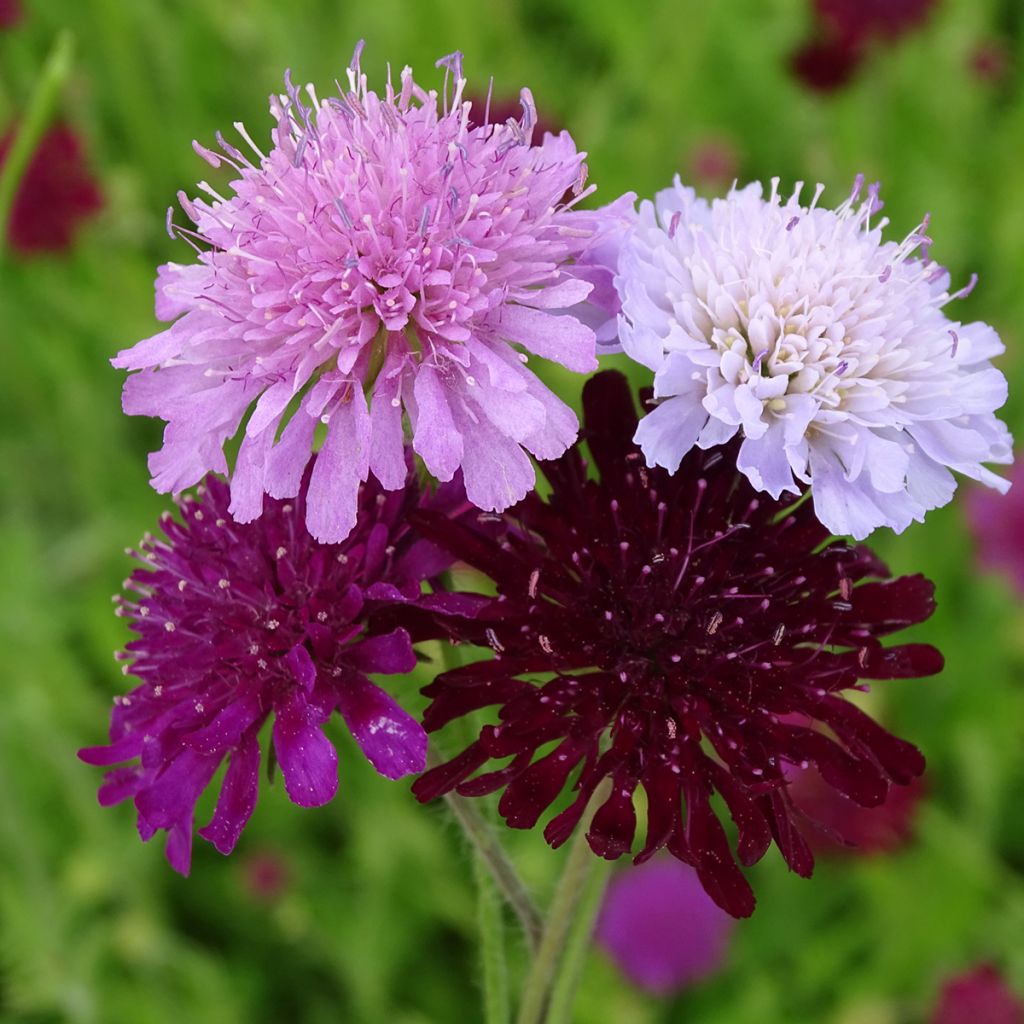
(382, 260)
(658, 630)
(825, 348)
(56, 193)
(238, 623)
(661, 927)
(995, 523)
(980, 996)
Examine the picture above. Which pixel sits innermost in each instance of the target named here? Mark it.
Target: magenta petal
(308, 760)
(237, 796)
(300, 664)
(385, 655)
(392, 740)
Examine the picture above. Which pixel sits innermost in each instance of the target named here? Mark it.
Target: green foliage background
(376, 921)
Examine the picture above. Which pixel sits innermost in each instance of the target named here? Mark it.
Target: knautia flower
(383, 261)
(824, 347)
(660, 631)
(240, 622)
(661, 928)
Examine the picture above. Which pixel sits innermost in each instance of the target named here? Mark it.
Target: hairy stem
(545, 973)
(490, 920)
(483, 839)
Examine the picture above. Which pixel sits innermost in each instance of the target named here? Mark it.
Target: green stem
(506, 878)
(567, 978)
(545, 970)
(490, 920)
(33, 124)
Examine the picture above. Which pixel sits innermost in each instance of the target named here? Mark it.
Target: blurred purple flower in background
(661, 927)
(56, 193)
(677, 621)
(997, 524)
(386, 257)
(980, 996)
(236, 622)
(825, 348)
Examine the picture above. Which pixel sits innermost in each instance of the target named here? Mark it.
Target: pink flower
(383, 263)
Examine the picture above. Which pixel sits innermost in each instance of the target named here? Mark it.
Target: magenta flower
(657, 630)
(238, 623)
(980, 996)
(995, 522)
(383, 260)
(54, 196)
(661, 927)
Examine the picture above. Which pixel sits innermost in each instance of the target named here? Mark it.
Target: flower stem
(567, 978)
(490, 920)
(545, 972)
(33, 124)
(506, 878)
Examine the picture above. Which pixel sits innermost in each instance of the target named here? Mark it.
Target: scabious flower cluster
(825, 348)
(672, 620)
(380, 262)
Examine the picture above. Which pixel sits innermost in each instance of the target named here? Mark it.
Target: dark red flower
(978, 997)
(55, 194)
(841, 826)
(843, 31)
(10, 13)
(656, 631)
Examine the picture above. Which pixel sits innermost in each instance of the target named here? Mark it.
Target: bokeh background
(363, 910)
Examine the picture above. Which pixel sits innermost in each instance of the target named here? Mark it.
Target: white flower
(824, 346)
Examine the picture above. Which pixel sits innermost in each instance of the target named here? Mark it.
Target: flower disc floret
(661, 632)
(824, 347)
(384, 265)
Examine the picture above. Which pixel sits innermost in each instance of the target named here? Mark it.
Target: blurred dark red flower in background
(55, 194)
(10, 13)
(843, 31)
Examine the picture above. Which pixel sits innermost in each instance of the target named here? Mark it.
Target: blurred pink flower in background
(265, 876)
(995, 521)
(661, 928)
(979, 996)
(56, 193)
(714, 162)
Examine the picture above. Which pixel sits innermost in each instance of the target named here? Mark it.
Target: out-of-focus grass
(375, 922)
